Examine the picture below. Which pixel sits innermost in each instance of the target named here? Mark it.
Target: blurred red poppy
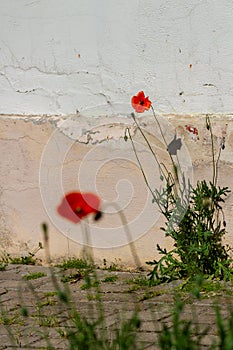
(75, 206)
(140, 103)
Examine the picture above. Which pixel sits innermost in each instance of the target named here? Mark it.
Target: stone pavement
(48, 319)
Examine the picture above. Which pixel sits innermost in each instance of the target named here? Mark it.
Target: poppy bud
(207, 122)
(207, 202)
(98, 215)
(223, 143)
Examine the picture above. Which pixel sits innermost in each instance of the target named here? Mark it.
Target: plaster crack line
(26, 69)
(25, 91)
(13, 88)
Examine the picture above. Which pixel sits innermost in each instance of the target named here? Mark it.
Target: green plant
(87, 332)
(197, 236)
(48, 302)
(137, 283)
(34, 275)
(72, 278)
(48, 321)
(89, 283)
(28, 259)
(140, 281)
(3, 266)
(225, 331)
(110, 278)
(23, 260)
(181, 335)
(74, 263)
(194, 217)
(50, 294)
(151, 294)
(8, 318)
(201, 287)
(92, 332)
(114, 266)
(82, 268)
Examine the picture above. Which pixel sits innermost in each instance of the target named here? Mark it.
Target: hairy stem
(165, 142)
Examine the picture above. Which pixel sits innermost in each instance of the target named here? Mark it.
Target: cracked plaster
(84, 54)
(63, 67)
(39, 154)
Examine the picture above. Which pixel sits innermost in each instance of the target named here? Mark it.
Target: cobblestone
(48, 319)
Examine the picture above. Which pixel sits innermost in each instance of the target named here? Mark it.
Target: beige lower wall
(43, 157)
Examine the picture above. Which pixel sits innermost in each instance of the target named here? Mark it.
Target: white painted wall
(57, 56)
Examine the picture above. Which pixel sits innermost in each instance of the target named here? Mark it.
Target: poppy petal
(141, 95)
(76, 205)
(65, 210)
(140, 103)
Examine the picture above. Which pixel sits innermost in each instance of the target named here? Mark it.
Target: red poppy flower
(140, 103)
(76, 205)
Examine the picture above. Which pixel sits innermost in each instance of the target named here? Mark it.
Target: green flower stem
(160, 129)
(168, 176)
(217, 161)
(128, 234)
(87, 250)
(149, 146)
(165, 142)
(140, 165)
(209, 127)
